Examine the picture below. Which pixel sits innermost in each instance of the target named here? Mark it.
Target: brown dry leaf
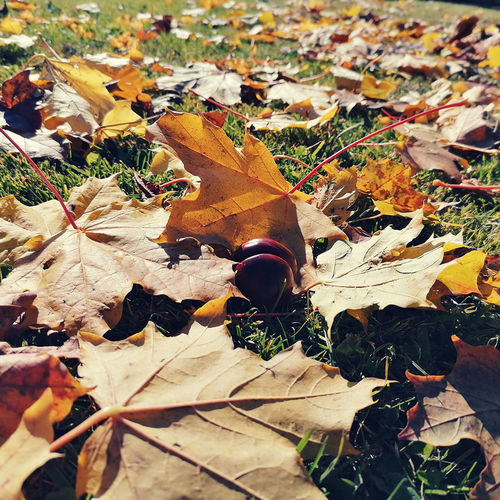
(489, 283)
(69, 349)
(471, 126)
(462, 405)
(216, 422)
(27, 448)
(379, 271)
(10, 312)
(426, 155)
(242, 195)
(17, 89)
(24, 377)
(20, 223)
(67, 109)
(413, 64)
(80, 277)
(337, 192)
(206, 79)
(391, 181)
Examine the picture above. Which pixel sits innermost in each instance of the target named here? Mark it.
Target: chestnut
(264, 279)
(258, 246)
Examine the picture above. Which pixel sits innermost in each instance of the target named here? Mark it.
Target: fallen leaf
(461, 276)
(469, 126)
(24, 377)
(293, 93)
(20, 223)
(65, 105)
(489, 282)
(86, 82)
(27, 448)
(17, 89)
(426, 155)
(22, 41)
(119, 121)
(337, 192)
(464, 28)
(493, 60)
(375, 89)
(279, 121)
(167, 160)
(380, 271)
(206, 79)
(242, 194)
(390, 181)
(11, 311)
(35, 145)
(462, 405)
(10, 25)
(81, 276)
(70, 349)
(204, 419)
(129, 82)
(413, 64)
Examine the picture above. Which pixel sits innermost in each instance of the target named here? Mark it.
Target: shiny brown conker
(264, 279)
(258, 246)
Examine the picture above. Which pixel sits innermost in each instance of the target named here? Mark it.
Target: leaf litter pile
(132, 365)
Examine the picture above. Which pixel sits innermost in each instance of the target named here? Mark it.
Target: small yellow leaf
(9, 25)
(135, 54)
(352, 11)
(119, 120)
(429, 40)
(493, 60)
(376, 89)
(267, 18)
(21, 6)
(461, 276)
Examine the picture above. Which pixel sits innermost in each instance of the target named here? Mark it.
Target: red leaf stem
(175, 181)
(42, 176)
(470, 187)
(369, 136)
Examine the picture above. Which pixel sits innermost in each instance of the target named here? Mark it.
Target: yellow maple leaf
(242, 195)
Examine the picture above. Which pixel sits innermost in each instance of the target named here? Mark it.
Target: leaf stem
(369, 136)
(42, 176)
(96, 418)
(175, 181)
(470, 187)
(265, 315)
(218, 104)
(286, 157)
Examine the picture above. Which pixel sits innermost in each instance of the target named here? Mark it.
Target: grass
(395, 340)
